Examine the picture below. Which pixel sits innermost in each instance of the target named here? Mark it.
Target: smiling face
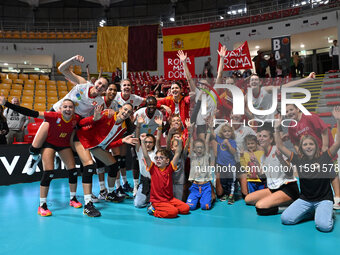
(308, 147)
(176, 122)
(111, 92)
(151, 106)
(265, 138)
(175, 90)
(99, 87)
(125, 87)
(125, 112)
(251, 145)
(292, 112)
(254, 81)
(67, 109)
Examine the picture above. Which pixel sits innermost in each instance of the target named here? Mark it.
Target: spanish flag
(194, 40)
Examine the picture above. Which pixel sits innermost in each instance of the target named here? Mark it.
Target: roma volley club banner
(236, 59)
(281, 47)
(194, 40)
(173, 67)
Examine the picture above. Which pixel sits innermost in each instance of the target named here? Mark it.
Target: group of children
(199, 161)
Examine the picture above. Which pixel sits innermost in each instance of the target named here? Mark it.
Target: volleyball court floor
(124, 229)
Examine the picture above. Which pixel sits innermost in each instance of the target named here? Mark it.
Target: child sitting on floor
(163, 203)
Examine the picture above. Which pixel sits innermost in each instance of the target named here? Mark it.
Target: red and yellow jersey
(60, 130)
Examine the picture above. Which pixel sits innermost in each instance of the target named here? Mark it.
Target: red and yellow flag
(194, 40)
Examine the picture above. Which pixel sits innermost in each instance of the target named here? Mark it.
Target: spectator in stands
(207, 69)
(256, 61)
(118, 76)
(301, 65)
(16, 123)
(272, 65)
(283, 64)
(3, 127)
(334, 54)
(263, 66)
(293, 65)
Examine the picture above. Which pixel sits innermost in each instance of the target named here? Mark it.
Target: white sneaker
(94, 199)
(102, 194)
(336, 205)
(33, 165)
(135, 189)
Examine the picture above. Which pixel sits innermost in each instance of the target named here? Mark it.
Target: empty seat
(44, 77)
(26, 104)
(34, 77)
(23, 76)
(40, 93)
(40, 107)
(40, 87)
(39, 99)
(28, 86)
(77, 70)
(4, 92)
(17, 86)
(62, 88)
(32, 82)
(3, 76)
(54, 83)
(15, 93)
(52, 93)
(61, 83)
(8, 81)
(52, 99)
(51, 87)
(51, 35)
(18, 81)
(5, 86)
(28, 92)
(27, 99)
(12, 76)
(28, 138)
(40, 82)
(33, 127)
(62, 93)
(24, 35)
(44, 35)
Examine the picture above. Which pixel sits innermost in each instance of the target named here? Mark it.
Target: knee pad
(267, 211)
(34, 151)
(113, 170)
(72, 175)
(122, 162)
(118, 158)
(88, 172)
(47, 178)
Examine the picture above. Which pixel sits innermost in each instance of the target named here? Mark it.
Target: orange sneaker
(43, 210)
(75, 203)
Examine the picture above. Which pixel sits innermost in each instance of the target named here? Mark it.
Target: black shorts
(201, 129)
(56, 148)
(75, 138)
(291, 189)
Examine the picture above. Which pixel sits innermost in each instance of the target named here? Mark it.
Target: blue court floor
(123, 229)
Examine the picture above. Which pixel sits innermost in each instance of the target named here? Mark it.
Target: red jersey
(161, 183)
(184, 105)
(103, 133)
(309, 125)
(60, 130)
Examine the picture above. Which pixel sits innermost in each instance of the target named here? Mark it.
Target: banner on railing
(173, 67)
(236, 59)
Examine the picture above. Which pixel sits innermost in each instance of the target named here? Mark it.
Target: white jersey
(133, 99)
(150, 125)
(113, 105)
(264, 101)
(84, 105)
(240, 134)
(274, 170)
(142, 163)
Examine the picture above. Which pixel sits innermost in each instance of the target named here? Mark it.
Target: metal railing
(188, 19)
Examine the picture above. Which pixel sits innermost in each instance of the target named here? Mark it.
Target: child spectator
(250, 162)
(164, 205)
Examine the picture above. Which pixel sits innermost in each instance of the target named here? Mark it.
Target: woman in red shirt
(61, 126)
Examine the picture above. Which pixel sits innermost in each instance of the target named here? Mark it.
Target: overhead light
(161, 23)
(102, 23)
(330, 40)
(257, 47)
(233, 12)
(326, 2)
(302, 45)
(221, 17)
(245, 10)
(303, 3)
(172, 19)
(5, 64)
(239, 10)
